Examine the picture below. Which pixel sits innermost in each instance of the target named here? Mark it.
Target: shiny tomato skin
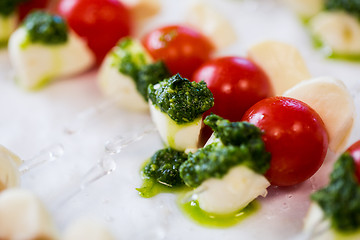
(27, 6)
(354, 151)
(181, 48)
(236, 83)
(100, 22)
(295, 136)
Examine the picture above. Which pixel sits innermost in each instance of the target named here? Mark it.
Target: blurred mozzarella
(338, 30)
(36, 64)
(120, 87)
(333, 102)
(89, 229)
(211, 23)
(282, 63)
(317, 227)
(9, 165)
(142, 9)
(233, 192)
(305, 8)
(177, 136)
(24, 217)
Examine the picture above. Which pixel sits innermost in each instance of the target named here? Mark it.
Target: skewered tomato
(236, 84)
(100, 22)
(295, 136)
(181, 48)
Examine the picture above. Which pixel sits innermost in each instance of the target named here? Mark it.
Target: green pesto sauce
(164, 166)
(151, 188)
(183, 101)
(350, 6)
(194, 212)
(318, 44)
(240, 144)
(346, 236)
(46, 28)
(340, 199)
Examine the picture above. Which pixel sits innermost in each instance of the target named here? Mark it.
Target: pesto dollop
(46, 28)
(164, 167)
(182, 100)
(240, 143)
(340, 200)
(8, 7)
(232, 133)
(132, 61)
(350, 6)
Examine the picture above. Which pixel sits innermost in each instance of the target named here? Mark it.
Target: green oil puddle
(194, 212)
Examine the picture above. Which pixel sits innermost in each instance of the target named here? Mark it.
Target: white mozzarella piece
(338, 30)
(233, 192)
(8, 25)
(211, 23)
(89, 229)
(177, 136)
(316, 227)
(282, 63)
(24, 217)
(37, 64)
(9, 165)
(120, 87)
(142, 9)
(305, 8)
(333, 102)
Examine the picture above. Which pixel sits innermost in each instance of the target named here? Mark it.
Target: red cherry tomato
(100, 22)
(295, 136)
(354, 151)
(236, 84)
(181, 48)
(26, 7)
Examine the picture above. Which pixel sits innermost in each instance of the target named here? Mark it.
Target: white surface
(31, 121)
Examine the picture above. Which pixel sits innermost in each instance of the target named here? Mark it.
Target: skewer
(105, 165)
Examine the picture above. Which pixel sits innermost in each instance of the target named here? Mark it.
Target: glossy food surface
(295, 136)
(181, 48)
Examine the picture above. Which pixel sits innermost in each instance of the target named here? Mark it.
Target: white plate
(31, 121)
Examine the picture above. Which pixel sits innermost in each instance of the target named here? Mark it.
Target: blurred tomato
(27, 6)
(100, 22)
(181, 48)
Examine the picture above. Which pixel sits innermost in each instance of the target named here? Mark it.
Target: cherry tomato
(295, 136)
(100, 22)
(26, 7)
(181, 48)
(354, 151)
(236, 84)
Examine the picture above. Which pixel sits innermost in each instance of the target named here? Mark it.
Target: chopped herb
(164, 167)
(45, 28)
(340, 200)
(130, 58)
(349, 6)
(244, 147)
(182, 100)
